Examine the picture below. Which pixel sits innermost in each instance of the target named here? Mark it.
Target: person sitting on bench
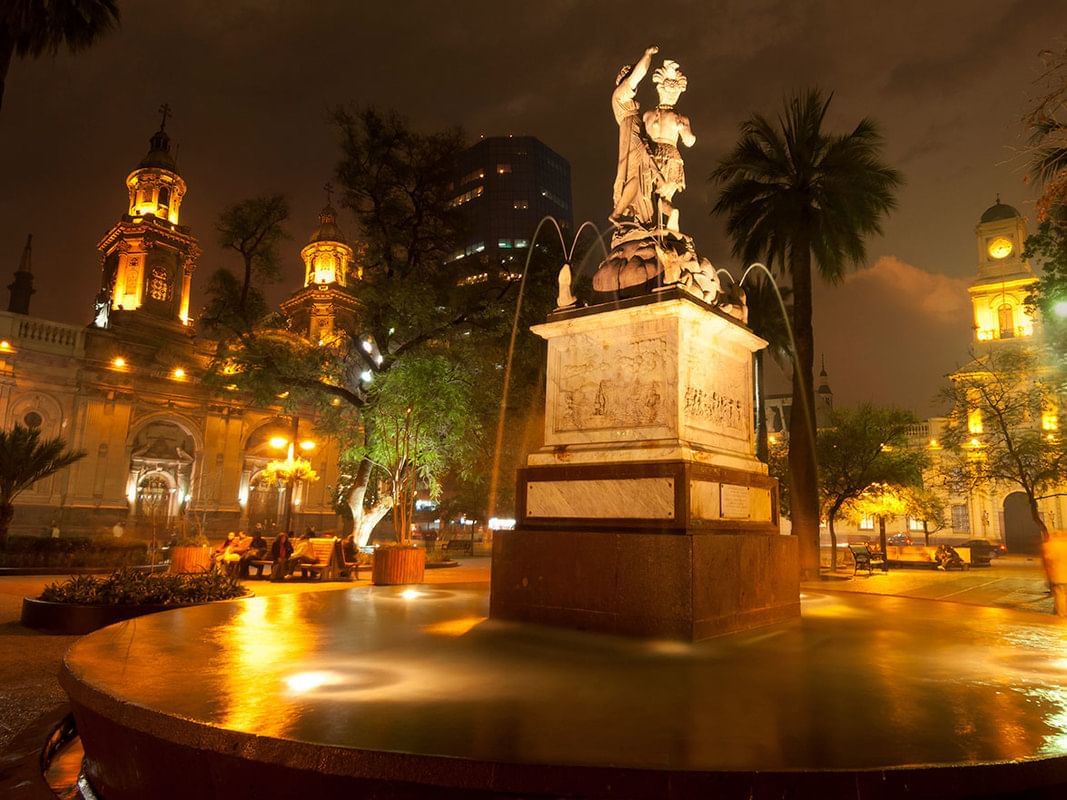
(257, 551)
(280, 551)
(303, 553)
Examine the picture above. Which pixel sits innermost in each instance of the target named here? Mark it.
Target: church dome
(327, 230)
(159, 154)
(999, 211)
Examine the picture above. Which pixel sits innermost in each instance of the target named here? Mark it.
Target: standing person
(280, 551)
(302, 554)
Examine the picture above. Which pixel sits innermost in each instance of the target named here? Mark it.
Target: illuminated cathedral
(165, 454)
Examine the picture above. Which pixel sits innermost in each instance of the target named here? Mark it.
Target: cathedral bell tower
(326, 302)
(998, 294)
(148, 257)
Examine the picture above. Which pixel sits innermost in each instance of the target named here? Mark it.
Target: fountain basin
(402, 693)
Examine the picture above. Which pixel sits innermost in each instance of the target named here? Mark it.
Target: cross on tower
(329, 193)
(165, 110)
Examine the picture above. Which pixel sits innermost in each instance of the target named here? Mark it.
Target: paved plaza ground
(29, 661)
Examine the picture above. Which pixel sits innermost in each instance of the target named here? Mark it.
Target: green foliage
(37, 27)
(253, 229)
(793, 193)
(1007, 391)
(862, 447)
(64, 552)
(788, 184)
(25, 458)
(1048, 247)
(133, 587)
(927, 506)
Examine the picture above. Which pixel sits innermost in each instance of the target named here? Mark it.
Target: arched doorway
(1021, 533)
(162, 457)
(266, 505)
(155, 497)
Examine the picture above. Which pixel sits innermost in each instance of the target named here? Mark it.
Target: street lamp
(291, 466)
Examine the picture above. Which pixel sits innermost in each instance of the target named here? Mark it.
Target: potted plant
(84, 603)
(192, 553)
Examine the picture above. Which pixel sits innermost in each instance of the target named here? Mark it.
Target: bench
(461, 546)
(863, 557)
(329, 565)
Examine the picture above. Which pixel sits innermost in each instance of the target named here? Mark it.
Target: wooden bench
(863, 557)
(329, 564)
(461, 546)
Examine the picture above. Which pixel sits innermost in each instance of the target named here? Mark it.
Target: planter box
(71, 619)
(396, 566)
(190, 559)
(74, 620)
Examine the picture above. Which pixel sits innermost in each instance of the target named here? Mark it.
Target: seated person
(280, 551)
(947, 558)
(349, 549)
(235, 552)
(257, 551)
(303, 553)
(220, 550)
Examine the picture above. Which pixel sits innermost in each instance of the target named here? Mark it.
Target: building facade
(166, 454)
(504, 186)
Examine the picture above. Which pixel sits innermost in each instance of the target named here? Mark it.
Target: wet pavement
(859, 682)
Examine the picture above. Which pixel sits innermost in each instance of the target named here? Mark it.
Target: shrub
(42, 551)
(131, 587)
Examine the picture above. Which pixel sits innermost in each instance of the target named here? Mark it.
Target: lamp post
(279, 442)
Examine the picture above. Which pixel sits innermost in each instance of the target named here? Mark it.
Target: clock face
(1000, 248)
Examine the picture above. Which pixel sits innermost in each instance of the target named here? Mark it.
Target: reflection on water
(858, 682)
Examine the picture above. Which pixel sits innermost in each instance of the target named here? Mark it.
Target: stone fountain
(646, 512)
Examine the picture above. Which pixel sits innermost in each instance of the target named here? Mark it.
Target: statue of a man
(665, 126)
(632, 195)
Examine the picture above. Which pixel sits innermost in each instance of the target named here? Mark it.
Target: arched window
(164, 197)
(159, 285)
(1007, 321)
(32, 419)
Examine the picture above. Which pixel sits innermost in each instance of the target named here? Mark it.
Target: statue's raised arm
(632, 194)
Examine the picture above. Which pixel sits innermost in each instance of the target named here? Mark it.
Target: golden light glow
(974, 442)
(118, 362)
(5, 346)
(974, 421)
(307, 444)
(307, 681)
(1050, 421)
(1000, 247)
(933, 444)
(178, 373)
(278, 442)
(453, 627)
(411, 594)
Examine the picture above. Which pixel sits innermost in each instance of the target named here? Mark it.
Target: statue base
(647, 513)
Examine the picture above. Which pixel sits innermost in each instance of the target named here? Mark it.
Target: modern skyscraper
(504, 186)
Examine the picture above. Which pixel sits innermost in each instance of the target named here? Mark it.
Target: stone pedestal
(647, 513)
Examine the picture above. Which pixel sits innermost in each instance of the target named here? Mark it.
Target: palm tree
(30, 28)
(793, 193)
(766, 319)
(24, 460)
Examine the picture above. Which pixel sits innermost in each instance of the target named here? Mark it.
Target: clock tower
(998, 294)
(148, 256)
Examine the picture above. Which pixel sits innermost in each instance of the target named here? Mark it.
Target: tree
(861, 449)
(929, 506)
(1003, 429)
(31, 28)
(397, 183)
(794, 194)
(765, 318)
(880, 501)
(25, 459)
(423, 413)
(1048, 135)
(253, 229)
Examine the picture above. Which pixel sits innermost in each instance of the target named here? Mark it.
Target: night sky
(250, 82)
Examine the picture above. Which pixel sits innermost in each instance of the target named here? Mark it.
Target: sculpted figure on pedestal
(665, 127)
(632, 195)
